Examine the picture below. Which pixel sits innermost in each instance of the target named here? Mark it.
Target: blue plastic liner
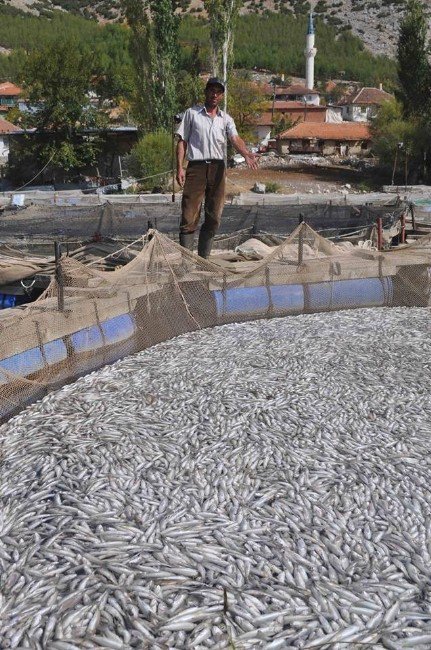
(55, 351)
(345, 294)
(118, 328)
(297, 298)
(257, 300)
(87, 339)
(24, 363)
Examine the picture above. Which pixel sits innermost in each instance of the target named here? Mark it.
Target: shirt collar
(204, 110)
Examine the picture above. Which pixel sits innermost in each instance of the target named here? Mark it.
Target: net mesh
(89, 317)
(132, 218)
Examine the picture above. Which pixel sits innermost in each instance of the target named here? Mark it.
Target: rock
(259, 188)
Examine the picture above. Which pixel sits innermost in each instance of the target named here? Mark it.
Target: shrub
(152, 155)
(272, 188)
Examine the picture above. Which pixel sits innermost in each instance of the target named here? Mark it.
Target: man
(203, 133)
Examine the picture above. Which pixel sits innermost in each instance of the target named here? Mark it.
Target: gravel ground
(263, 485)
(291, 180)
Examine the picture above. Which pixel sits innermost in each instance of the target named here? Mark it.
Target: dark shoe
(205, 244)
(187, 240)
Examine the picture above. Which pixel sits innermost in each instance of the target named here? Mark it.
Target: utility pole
(399, 147)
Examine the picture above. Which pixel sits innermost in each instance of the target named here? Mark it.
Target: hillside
(374, 21)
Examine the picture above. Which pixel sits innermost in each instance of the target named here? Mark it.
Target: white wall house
(6, 128)
(363, 105)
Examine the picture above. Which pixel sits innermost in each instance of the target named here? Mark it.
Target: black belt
(207, 161)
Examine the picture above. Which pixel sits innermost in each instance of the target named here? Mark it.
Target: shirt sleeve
(184, 128)
(230, 127)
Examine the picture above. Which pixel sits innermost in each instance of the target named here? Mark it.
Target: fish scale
(257, 485)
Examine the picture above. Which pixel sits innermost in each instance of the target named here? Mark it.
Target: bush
(272, 188)
(150, 156)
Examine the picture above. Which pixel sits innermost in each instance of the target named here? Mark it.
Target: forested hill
(374, 21)
(272, 42)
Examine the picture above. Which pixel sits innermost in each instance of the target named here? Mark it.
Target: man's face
(213, 95)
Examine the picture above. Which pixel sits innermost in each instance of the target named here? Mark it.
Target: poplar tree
(412, 58)
(141, 50)
(222, 16)
(165, 51)
(154, 49)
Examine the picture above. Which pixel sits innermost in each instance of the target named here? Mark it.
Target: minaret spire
(310, 29)
(310, 53)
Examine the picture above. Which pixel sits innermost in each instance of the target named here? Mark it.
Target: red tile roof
(330, 85)
(367, 96)
(298, 89)
(327, 131)
(294, 106)
(8, 127)
(8, 89)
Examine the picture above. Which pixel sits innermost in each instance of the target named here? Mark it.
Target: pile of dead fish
(263, 485)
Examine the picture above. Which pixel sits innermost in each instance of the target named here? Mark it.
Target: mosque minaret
(310, 53)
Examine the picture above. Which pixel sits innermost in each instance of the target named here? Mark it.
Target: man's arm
(181, 154)
(250, 158)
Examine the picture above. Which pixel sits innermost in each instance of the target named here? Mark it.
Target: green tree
(154, 50)
(142, 53)
(401, 142)
(222, 15)
(412, 57)
(246, 101)
(165, 51)
(152, 155)
(390, 128)
(58, 79)
(190, 89)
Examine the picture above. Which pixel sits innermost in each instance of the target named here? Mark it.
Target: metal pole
(173, 160)
(121, 172)
(405, 172)
(59, 276)
(395, 165)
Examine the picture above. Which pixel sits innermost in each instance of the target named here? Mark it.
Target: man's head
(214, 91)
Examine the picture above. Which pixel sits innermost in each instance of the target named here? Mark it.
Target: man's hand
(252, 160)
(181, 177)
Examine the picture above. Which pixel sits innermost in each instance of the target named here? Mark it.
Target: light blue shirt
(205, 135)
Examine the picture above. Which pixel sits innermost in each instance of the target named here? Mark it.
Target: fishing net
(132, 218)
(89, 317)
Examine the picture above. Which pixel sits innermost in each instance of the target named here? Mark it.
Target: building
(297, 111)
(297, 93)
(325, 139)
(363, 105)
(6, 130)
(310, 53)
(9, 96)
(290, 113)
(262, 127)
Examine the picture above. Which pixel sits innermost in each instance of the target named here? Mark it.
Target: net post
(301, 240)
(379, 233)
(412, 215)
(59, 276)
(403, 228)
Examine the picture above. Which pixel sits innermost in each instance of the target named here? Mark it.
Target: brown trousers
(203, 180)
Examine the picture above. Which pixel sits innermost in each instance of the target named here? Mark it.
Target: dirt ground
(312, 180)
